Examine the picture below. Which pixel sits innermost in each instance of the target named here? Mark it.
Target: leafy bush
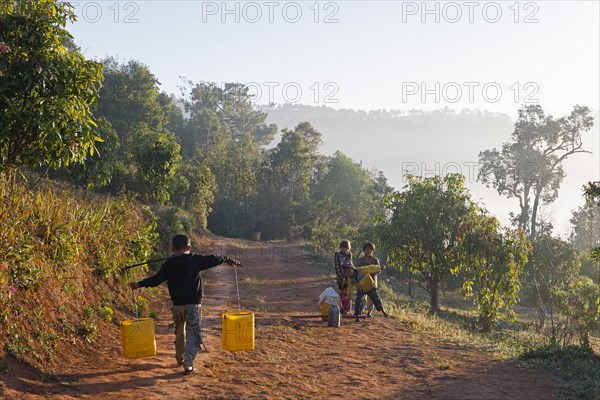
(578, 302)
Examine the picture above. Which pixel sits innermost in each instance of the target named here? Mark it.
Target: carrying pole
(123, 269)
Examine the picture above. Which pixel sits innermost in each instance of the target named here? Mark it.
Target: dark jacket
(182, 274)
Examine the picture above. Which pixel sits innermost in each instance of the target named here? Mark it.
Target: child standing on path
(369, 259)
(182, 273)
(343, 259)
(361, 279)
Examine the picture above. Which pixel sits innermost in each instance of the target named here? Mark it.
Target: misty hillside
(440, 141)
(385, 140)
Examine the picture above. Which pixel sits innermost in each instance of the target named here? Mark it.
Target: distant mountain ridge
(435, 142)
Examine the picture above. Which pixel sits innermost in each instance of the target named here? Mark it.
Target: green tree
(356, 189)
(195, 189)
(157, 156)
(129, 99)
(592, 192)
(325, 223)
(355, 193)
(529, 166)
(578, 302)
(232, 103)
(226, 128)
(97, 171)
(551, 265)
(592, 195)
(585, 224)
(285, 177)
(492, 263)
(422, 231)
(46, 91)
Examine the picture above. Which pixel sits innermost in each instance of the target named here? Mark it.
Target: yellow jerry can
(137, 338)
(237, 331)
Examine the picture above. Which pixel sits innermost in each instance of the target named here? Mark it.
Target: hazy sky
(372, 55)
(362, 55)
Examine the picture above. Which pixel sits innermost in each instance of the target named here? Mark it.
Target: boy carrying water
(182, 273)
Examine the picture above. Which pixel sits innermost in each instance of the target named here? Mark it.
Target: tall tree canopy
(46, 91)
(529, 166)
(284, 181)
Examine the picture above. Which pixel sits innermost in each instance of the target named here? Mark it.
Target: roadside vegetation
(99, 168)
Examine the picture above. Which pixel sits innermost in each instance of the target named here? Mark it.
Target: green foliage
(226, 133)
(492, 263)
(129, 101)
(196, 189)
(156, 157)
(326, 224)
(98, 170)
(17, 344)
(88, 331)
(585, 221)
(529, 166)
(141, 305)
(578, 302)
(107, 313)
(141, 154)
(46, 91)
(229, 106)
(592, 195)
(592, 192)
(358, 191)
(422, 231)
(550, 267)
(51, 236)
(285, 178)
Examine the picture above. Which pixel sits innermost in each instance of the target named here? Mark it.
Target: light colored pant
(187, 332)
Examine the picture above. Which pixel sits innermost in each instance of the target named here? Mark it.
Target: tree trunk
(485, 323)
(541, 317)
(524, 217)
(410, 279)
(536, 202)
(434, 286)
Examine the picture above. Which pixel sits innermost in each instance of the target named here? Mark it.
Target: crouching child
(361, 279)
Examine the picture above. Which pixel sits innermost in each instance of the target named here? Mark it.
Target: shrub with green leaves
(578, 302)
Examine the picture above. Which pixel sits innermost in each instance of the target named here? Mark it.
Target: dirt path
(296, 357)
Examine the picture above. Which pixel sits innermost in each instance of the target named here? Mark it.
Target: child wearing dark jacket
(182, 273)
